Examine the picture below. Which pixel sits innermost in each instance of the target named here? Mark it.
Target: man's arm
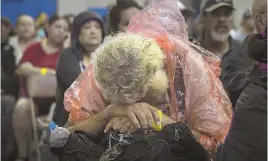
(235, 66)
(27, 69)
(91, 124)
(247, 137)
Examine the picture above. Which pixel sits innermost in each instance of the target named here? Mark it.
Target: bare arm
(26, 69)
(89, 125)
(139, 118)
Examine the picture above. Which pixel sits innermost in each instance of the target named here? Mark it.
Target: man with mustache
(216, 19)
(215, 25)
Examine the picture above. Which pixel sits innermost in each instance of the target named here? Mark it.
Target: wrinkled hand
(124, 125)
(141, 115)
(121, 124)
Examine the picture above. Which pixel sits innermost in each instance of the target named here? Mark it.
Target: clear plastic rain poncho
(196, 94)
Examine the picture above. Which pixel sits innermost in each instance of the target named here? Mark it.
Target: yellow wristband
(158, 127)
(43, 71)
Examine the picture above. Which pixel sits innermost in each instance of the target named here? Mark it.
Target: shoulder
(32, 50)
(239, 56)
(33, 46)
(246, 140)
(67, 50)
(67, 56)
(254, 97)
(5, 47)
(68, 53)
(13, 40)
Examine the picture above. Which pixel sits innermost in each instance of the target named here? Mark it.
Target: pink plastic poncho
(196, 94)
(206, 108)
(83, 99)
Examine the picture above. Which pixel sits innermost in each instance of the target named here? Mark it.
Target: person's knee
(22, 108)
(21, 118)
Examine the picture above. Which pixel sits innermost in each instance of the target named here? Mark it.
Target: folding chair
(41, 86)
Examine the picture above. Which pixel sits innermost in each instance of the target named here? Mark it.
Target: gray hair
(123, 66)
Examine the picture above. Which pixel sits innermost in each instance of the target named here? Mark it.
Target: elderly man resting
(127, 84)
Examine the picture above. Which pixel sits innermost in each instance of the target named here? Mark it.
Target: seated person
(25, 35)
(106, 87)
(37, 56)
(189, 97)
(9, 91)
(9, 77)
(87, 34)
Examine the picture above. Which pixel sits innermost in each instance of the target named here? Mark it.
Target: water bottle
(58, 135)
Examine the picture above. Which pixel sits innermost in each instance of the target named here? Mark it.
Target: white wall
(72, 6)
(240, 7)
(76, 6)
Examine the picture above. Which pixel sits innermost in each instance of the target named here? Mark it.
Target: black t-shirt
(9, 78)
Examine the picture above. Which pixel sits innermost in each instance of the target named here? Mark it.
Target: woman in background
(26, 35)
(121, 13)
(87, 34)
(38, 56)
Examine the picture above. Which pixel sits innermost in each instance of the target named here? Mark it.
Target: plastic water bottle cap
(52, 126)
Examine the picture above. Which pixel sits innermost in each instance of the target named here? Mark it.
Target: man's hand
(141, 115)
(121, 124)
(51, 71)
(124, 125)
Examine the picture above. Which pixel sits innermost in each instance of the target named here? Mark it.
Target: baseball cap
(211, 5)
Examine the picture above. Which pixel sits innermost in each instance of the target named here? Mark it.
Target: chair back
(42, 86)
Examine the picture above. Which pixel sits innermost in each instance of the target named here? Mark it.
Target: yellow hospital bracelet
(43, 71)
(155, 126)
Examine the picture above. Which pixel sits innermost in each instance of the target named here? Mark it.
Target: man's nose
(93, 31)
(222, 17)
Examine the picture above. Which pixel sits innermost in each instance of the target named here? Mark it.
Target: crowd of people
(130, 72)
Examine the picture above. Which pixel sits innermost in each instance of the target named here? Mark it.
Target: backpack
(174, 143)
(80, 147)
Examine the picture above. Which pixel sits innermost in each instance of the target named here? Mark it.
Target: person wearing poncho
(194, 96)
